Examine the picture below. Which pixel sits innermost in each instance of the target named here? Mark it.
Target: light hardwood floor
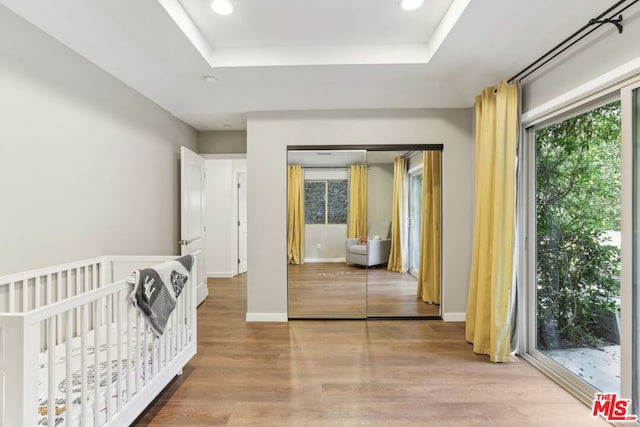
(349, 373)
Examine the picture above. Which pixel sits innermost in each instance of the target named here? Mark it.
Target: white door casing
(192, 215)
(242, 222)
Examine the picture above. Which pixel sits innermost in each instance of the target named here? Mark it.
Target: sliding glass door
(577, 246)
(415, 218)
(631, 117)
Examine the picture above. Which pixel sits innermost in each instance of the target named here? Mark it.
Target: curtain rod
(529, 69)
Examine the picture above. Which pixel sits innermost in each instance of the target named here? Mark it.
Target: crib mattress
(140, 363)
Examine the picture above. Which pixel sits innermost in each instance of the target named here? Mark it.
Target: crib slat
(36, 303)
(172, 336)
(140, 350)
(68, 365)
(51, 352)
(83, 363)
(130, 359)
(119, 314)
(48, 289)
(96, 361)
(58, 286)
(154, 356)
(59, 298)
(12, 291)
(108, 358)
(25, 295)
(77, 292)
(69, 284)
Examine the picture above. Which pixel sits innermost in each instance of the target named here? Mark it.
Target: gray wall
(87, 165)
(268, 135)
(379, 192)
(222, 142)
(583, 62)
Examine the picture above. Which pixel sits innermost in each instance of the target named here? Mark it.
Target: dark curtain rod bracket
(599, 21)
(614, 21)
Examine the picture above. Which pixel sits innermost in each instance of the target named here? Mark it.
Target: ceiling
(282, 55)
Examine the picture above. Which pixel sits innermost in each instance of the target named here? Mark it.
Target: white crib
(75, 352)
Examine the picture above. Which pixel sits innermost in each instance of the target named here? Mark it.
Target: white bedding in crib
(70, 414)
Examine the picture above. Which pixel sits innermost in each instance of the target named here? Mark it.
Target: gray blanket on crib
(156, 290)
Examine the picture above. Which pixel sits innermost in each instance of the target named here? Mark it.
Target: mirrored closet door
(321, 285)
(355, 247)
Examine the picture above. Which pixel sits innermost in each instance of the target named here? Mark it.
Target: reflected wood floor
(349, 373)
(391, 294)
(346, 291)
(327, 290)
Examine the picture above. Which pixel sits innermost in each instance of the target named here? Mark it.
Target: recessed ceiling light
(411, 4)
(222, 7)
(210, 79)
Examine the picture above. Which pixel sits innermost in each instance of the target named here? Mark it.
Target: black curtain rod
(598, 21)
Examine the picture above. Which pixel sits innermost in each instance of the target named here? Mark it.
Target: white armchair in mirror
(376, 249)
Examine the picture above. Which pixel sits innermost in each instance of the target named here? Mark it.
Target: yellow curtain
(396, 263)
(357, 222)
(429, 268)
(491, 282)
(295, 214)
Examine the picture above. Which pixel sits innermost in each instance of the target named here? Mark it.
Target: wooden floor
(349, 373)
(346, 291)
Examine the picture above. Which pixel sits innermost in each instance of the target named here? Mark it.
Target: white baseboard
(267, 317)
(454, 317)
(220, 274)
(312, 260)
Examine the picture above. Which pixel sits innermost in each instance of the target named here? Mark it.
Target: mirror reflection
(320, 283)
(363, 234)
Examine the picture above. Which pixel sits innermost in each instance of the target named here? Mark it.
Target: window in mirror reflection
(326, 202)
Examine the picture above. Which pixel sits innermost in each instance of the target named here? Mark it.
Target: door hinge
(238, 223)
(205, 228)
(238, 261)
(238, 185)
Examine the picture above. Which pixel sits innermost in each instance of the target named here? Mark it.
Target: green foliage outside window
(577, 199)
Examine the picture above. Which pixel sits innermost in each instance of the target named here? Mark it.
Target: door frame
(629, 297)
(237, 227)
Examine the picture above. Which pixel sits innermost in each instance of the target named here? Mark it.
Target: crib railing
(58, 312)
(27, 291)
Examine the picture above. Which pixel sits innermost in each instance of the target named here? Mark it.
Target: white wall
(87, 165)
(222, 215)
(268, 135)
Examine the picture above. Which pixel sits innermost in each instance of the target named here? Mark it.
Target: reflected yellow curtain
(429, 268)
(396, 263)
(357, 221)
(295, 214)
(492, 268)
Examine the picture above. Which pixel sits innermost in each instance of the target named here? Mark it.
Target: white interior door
(242, 222)
(192, 229)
